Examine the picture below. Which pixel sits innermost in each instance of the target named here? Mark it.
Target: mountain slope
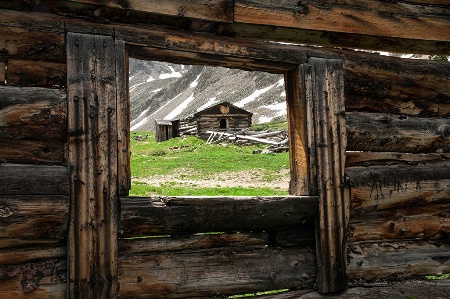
(170, 91)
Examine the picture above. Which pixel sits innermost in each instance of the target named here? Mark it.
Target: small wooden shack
(222, 117)
(166, 129)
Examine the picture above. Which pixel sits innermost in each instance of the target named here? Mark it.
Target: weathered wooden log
(34, 216)
(216, 10)
(396, 133)
(215, 273)
(43, 279)
(176, 215)
(36, 73)
(26, 254)
(2, 72)
(23, 179)
(31, 151)
(32, 113)
(393, 261)
(391, 19)
(42, 46)
(390, 158)
(429, 222)
(193, 242)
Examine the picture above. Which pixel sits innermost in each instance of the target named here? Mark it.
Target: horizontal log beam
(394, 261)
(431, 222)
(34, 216)
(31, 151)
(23, 179)
(174, 215)
(26, 254)
(32, 113)
(215, 273)
(216, 10)
(389, 158)
(36, 73)
(377, 18)
(397, 133)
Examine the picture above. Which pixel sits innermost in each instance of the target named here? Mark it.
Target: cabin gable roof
(223, 108)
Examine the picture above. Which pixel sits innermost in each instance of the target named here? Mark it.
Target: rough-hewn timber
(210, 273)
(25, 179)
(171, 215)
(93, 151)
(324, 96)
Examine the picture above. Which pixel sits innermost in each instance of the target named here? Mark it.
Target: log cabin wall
(397, 115)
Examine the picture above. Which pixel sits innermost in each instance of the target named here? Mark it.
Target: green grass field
(189, 166)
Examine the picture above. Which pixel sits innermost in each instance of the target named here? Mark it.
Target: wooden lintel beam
(399, 20)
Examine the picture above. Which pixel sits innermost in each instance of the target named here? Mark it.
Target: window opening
(211, 131)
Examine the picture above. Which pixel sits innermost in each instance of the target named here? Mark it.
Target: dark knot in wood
(302, 8)
(5, 210)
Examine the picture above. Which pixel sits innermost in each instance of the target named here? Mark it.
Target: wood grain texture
(2, 72)
(34, 216)
(401, 20)
(384, 132)
(93, 146)
(26, 254)
(324, 93)
(302, 175)
(215, 10)
(395, 261)
(184, 215)
(390, 158)
(36, 73)
(31, 151)
(215, 273)
(40, 279)
(24, 179)
(21, 43)
(32, 113)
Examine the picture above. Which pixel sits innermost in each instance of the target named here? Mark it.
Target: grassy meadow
(189, 166)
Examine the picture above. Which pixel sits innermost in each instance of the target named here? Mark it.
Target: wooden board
(23, 179)
(22, 43)
(93, 151)
(355, 16)
(323, 88)
(390, 158)
(172, 215)
(397, 260)
(2, 72)
(36, 73)
(34, 216)
(397, 133)
(33, 113)
(41, 279)
(215, 273)
(215, 10)
(30, 151)
(26, 254)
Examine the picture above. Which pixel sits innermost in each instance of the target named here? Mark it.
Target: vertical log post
(93, 161)
(326, 134)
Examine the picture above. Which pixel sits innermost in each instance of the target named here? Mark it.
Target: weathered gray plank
(34, 216)
(395, 261)
(390, 158)
(93, 145)
(397, 133)
(215, 273)
(184, 215)
(33, 179)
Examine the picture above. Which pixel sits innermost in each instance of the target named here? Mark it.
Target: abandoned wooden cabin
(166, 129)
(368, 141)
(224, 117)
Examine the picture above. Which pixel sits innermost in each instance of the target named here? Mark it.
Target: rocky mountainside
(169, 91)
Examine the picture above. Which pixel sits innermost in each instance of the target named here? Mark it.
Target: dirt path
(246, 179)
